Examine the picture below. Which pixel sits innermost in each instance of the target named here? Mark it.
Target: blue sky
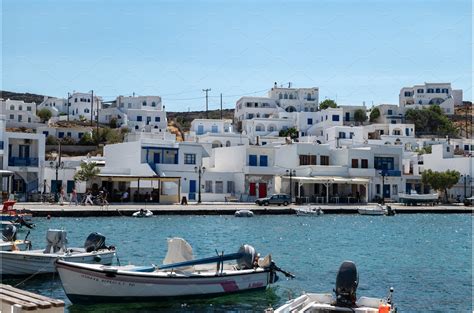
(354, 51)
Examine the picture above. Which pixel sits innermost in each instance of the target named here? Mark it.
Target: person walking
(61, 196)
(89, 198)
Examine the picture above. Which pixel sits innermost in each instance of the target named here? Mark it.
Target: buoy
(384, 308)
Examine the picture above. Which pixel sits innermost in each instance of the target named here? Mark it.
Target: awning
(123, 178)
(329, 179)
(6, 173)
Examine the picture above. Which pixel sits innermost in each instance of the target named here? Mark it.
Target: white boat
(180, 276)
(17, 263)
(414, 198)
(378, 209)
(345, 300)
(243, 213)
(143, 213)
(304, 211)
(9, 241)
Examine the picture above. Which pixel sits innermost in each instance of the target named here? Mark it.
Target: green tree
(440, 181)
(328, 103)
(86, 140)
(114, 136)
(291, 132)
(360, 116)
(51, 140)
(431, 121)
(44, 114)
(87, 172)
(374, 114)
(68, 141)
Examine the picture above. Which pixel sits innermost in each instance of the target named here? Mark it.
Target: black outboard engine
(9, 233)
(346, 284)
(94, 242)
(248, 257)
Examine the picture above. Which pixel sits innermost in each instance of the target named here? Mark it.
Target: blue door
(192, 190)
(157, 158)
(386, 191)
(200, 130)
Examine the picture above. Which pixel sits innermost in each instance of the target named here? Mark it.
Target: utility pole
(92, 106)
(97, 123)
(221, 107)
(206, 91)
(68, 104)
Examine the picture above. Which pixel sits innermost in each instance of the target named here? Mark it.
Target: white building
(430, 94)
(390, 114)
(18, 113)
(216, 133)
(138, 113)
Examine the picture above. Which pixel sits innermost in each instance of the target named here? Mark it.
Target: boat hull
(20, 263)
(83, 284)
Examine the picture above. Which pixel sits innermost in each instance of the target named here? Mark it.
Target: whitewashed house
(18, 113)
(429, 94)
(216, 133)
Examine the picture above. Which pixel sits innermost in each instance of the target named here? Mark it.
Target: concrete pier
(212, 208)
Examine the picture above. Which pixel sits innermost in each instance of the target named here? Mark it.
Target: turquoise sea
(426, 258)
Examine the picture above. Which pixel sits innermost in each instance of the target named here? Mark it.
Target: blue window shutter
(335, 118)
(252, 160)
(263, 160)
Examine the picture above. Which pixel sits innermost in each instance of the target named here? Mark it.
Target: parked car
(274, 199)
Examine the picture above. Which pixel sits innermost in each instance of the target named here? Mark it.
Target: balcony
(16, 161)
(396, 173)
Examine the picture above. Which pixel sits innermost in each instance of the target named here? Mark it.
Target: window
(384, 163)
(20, 118)
(189, 158)
(447, 149)
(308, 97)
(227, 143)
(157, 118)
(69, 134)
(208, 186)
(342, 135)
(351, 135)
(252, 160)
(364, 163)
(285, 96)
(46, 133)
(407, 94)
(263, 160)
(12, 107)
(144, 103)
(445, 90)
(324, 160)
(420, 91)
(153, 104)
(79, 135)
(430, 90)
(389, 112)
(28, 109)
(12, 116)
(219, 187)
(86, 111)
(139, 118)
(75, 99)
(230, 186)
(335, 118)
(438, 90)
(280, 96)
(310, 121)
(307, 159)
(60, 134)
(395, 189)
(214, 129)
(291, 96)
(355, 163)
(377, 188)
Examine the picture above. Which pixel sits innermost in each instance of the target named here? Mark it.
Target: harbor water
(426, 258)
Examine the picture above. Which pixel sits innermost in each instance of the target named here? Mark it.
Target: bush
(52, 140)
(44, 114)
(113, 122)
(86, 140)
(328, 103)
(68, 141)
(360, 116)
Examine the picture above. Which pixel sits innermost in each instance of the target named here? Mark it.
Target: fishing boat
(17, 263)
(414, 198)
(346, 300)
(305, 211)
(143, 213)
(243, 213)
(377, 210)
(9, 240)
(11, 214)
(180, 276)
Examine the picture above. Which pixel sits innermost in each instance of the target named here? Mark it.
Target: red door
(253, 189)
(262, 190)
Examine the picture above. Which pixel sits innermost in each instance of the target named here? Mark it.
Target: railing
(16, 161)
(391, 172)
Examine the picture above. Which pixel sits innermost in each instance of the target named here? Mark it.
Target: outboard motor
(246, 261)
(94, 242)
(9, 233)
(56, 241)
(346, 284)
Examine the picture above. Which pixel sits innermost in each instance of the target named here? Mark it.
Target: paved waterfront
(214, 208)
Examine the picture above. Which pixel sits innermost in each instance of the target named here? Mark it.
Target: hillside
(26, 97)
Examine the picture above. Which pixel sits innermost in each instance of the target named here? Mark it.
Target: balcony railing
(391, 172)
(16, 161)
